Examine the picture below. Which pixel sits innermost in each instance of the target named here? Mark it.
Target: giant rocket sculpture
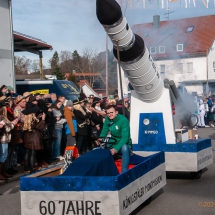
(134, 56)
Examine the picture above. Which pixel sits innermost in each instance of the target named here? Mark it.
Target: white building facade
(6, 45)
(191, 73)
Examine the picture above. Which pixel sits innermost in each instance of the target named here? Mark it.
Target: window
(190, 29)
(163, 31)
(152, 50)
(190, 67)
(214, 66)
(180, 68)
(161, 49)
(179, 47)
(172, 31)
(162, 68)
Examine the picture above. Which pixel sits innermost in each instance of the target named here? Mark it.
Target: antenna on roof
(169, 11)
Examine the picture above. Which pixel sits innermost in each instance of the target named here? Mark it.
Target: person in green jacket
(118, 127)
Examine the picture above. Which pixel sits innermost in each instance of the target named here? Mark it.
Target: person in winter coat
(71, 126)
(96, 118)
(15, 139)
(5, 137)
(32, 137)
(56, 145)
(50, 122)
(201, 123)
(82, 116)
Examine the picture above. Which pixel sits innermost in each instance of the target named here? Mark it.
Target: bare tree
(66, 63)
(92, 63)
(22, 65)
(35, 66)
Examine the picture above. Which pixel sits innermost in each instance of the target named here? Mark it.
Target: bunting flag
(130, 3)
(144, 4)
(185, 1)
(162, 3)
(205, 4)
(194, 3)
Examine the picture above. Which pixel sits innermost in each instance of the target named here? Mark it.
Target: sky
(69, 25)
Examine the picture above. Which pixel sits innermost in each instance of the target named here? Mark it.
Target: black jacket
(83, 128)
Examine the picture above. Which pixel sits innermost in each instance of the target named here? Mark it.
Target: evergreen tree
(55, 68)
(58, 73)
(76, 59)
(54, 61)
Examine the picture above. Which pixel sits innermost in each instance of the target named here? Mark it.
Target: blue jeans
(56, 144)
(125, 157)
(125, 151)
(3, 152)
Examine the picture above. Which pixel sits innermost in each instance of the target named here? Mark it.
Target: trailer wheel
(196, 175)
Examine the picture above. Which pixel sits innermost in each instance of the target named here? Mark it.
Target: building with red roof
(183, 50)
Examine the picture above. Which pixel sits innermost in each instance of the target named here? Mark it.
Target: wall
(6, 63)
(211, 59)
(196, 76)
(171, 72)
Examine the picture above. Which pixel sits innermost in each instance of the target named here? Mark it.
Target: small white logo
(146, 121)
(151, 132)
(116, 127)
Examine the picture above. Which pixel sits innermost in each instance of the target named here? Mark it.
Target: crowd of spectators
(35, 129)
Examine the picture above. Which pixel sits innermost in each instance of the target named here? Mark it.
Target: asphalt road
(181, 195)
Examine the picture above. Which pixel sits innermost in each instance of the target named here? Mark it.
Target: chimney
(156, 21)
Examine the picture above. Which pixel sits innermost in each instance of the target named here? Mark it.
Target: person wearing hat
(71, 125)
(11, 92)
(91, 97)
(32, 137)
(83, 120)
(83, 95)
(6, 127)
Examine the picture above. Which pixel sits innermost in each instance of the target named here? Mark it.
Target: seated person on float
(118, 127)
